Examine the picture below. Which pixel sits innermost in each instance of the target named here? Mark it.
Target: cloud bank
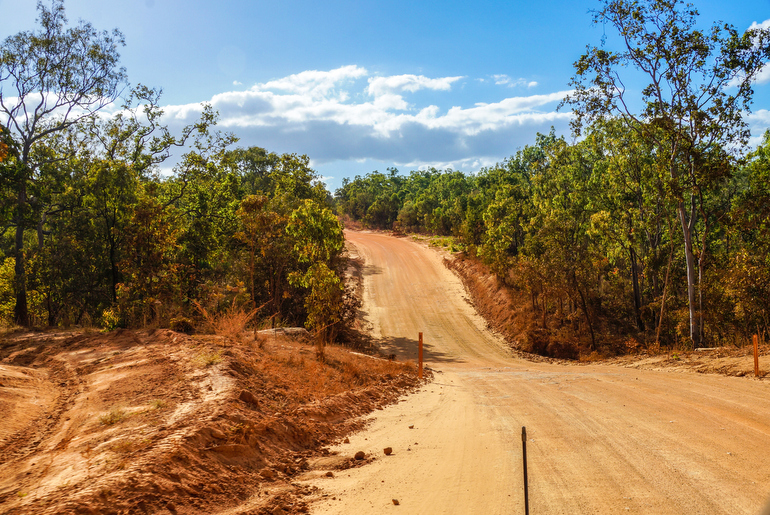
(764, 76)
(350, 114)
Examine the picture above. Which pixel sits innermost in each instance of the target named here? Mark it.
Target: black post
(526, 482)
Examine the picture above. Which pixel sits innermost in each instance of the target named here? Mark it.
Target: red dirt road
(602, 439)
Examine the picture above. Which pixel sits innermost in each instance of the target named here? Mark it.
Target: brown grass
(113, 416)
(231, 323)
(296, 377)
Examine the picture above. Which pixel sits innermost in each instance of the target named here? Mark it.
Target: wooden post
(419, 357)
(756, 355)
(526, 479)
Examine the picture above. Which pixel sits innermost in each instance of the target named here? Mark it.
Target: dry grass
(297, 377)
(207, 358)
(113, 416)
(229, 324)
(157, 404)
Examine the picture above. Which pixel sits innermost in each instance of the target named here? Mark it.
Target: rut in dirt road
(601, 439)
(64, 385)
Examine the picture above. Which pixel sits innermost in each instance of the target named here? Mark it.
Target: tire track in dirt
(27, 441)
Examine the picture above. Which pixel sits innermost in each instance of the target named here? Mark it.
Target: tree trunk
(700, 295)
(687, 228)
(20, 310)
(637, 290)
(588, 319)
(113, 267)
(663, 299)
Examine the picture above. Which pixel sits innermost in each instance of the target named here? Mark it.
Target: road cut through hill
(601, 439)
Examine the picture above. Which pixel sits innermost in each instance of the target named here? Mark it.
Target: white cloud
(350, 114)
(237, 83)
(763, 76)
(759, 122)
(314, 83)
(504, 80)
(411, 83)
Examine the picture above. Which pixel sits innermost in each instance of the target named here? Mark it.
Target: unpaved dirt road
(602, 439)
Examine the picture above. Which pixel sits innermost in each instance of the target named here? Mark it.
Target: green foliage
(52, 80)
(590, 232)
(111, 319)
(652, 227)
(317, 233)
(150, 271)
(182, 325)
(319, 241)
(699, 89)
(7, 299)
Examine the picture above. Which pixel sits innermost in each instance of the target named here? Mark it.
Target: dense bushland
(586, 234)
(651, 228)
(93, 233)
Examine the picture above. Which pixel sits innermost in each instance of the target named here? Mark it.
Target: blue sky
(364, 85)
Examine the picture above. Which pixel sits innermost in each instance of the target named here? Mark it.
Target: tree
(699, 88)
(50, 80)
(263, 230)
(747, 278)
(318, 241)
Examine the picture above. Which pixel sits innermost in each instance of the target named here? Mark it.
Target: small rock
(360, 455)
(330, 474)
(219, 435)
(388, 451)
(267, 473)
(347, 440)
(395, 501)
(411, 427)
(248, 397)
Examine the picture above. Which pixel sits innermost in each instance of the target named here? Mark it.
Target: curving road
(601, 440)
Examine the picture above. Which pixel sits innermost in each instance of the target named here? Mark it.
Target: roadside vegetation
(651, 226)
(92, 234)
(650, 229)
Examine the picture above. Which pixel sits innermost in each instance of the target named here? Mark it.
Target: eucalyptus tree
(50, 80)
(747, 278)
(634, 215)
(698, 89)
(318, 242)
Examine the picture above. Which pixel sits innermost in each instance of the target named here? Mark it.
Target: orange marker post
(419, 357)
(756, 356)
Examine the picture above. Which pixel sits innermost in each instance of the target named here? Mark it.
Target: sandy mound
(161, 422)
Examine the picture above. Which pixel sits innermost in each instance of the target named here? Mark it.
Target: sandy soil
(160, 422)
(601, 438)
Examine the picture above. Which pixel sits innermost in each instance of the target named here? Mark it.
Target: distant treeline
(589, 233)
(653, 228)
